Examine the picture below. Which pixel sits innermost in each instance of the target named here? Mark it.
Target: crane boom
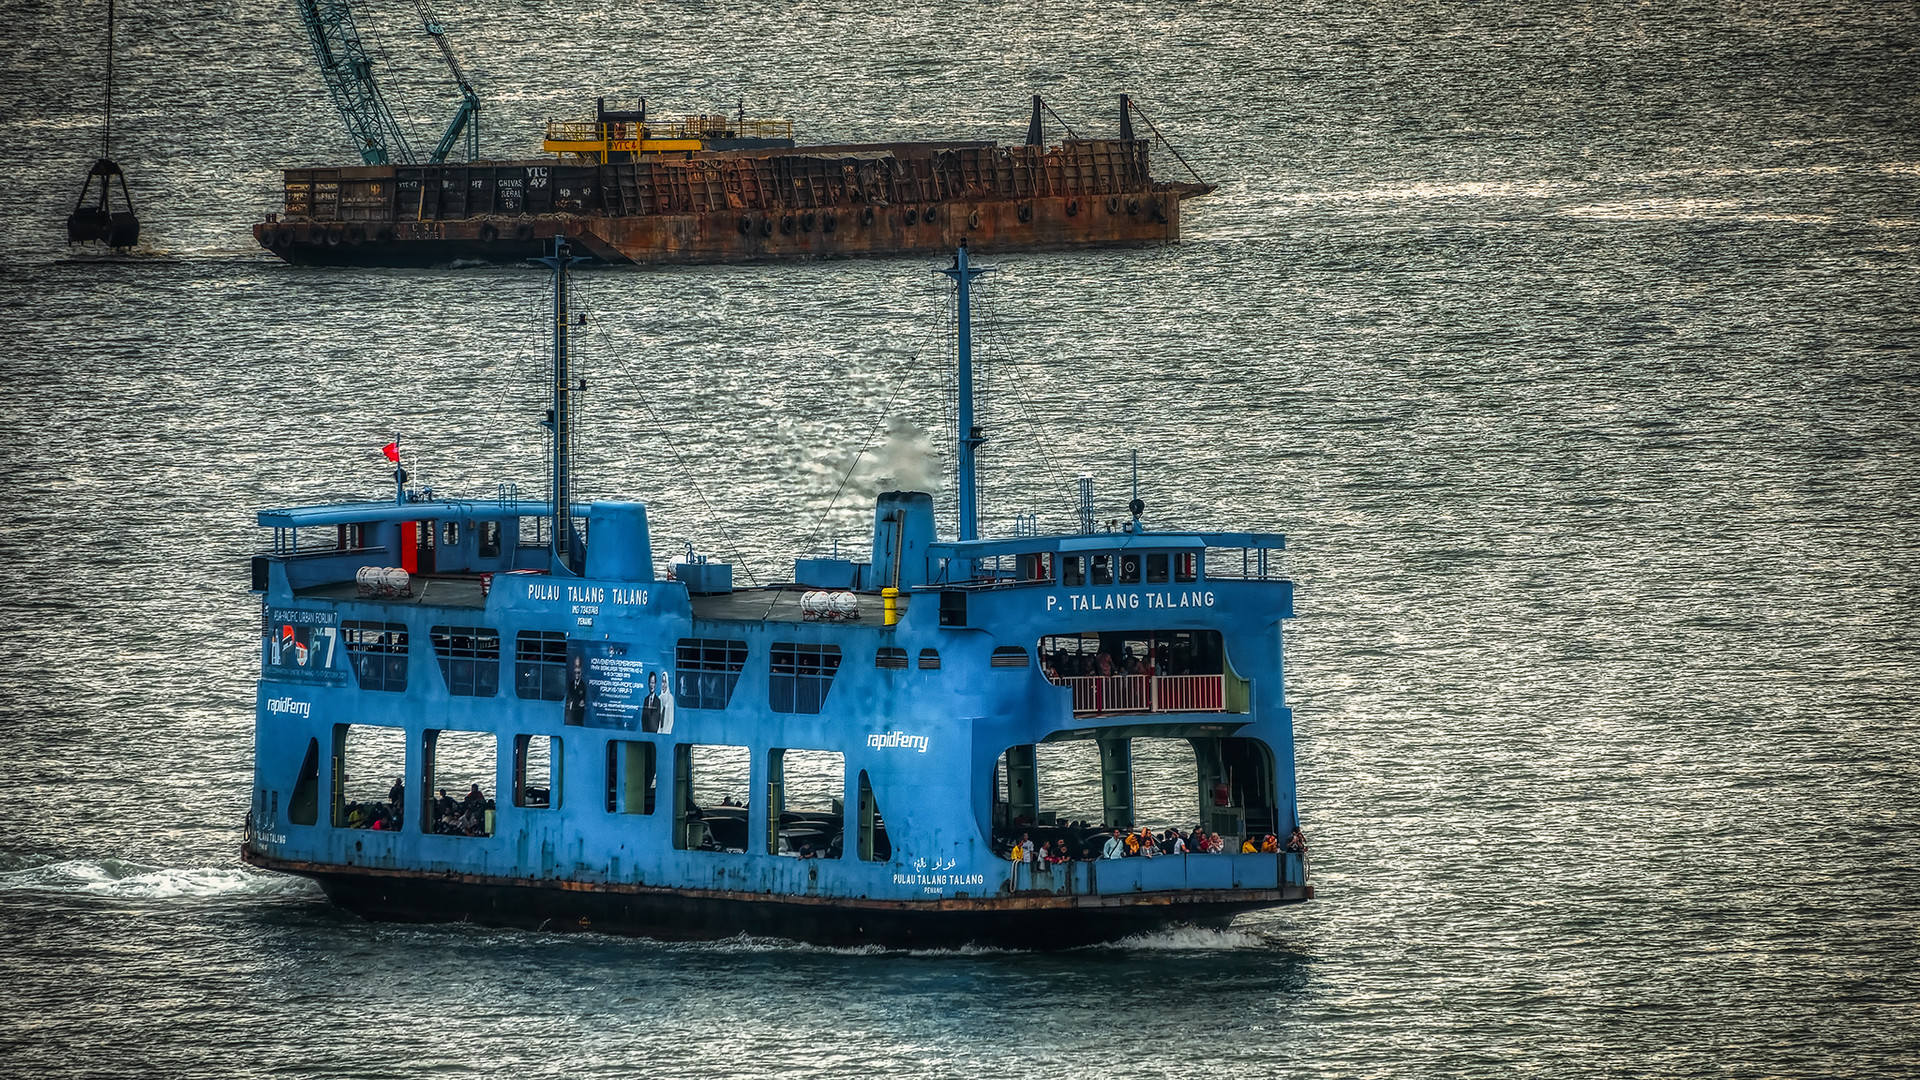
(467, 119)
(348, 71)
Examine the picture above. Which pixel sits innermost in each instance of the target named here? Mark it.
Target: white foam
(120, 880)
(1193, 939)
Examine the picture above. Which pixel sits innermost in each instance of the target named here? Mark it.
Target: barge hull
(1039, 921)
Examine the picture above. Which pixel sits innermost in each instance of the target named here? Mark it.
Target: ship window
(1186, 566)
(489, 539)
(799, 676)
(891, 658)
(1157, 568)
(452, 534)
(1009, 656)
(806, 790)
(379, 654)
(1072, 570)
(929, 659)
(873, 843)
(630, 777)
(540, 665)
(461, 769)
(1130, 568)
(709, 798)
(369, 769)
(536, 771)
(469, 659)
(706, 670)
(303, 807)
(1103, 569)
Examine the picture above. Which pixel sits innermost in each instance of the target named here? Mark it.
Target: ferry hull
(1018, 921)
(1137, 220)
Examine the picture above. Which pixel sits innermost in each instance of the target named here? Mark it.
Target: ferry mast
(969, 432)
(560, 416)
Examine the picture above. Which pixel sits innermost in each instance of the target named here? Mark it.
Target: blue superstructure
(849, 757)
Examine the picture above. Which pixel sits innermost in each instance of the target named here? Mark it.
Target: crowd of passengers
(1143, 843)
(467, 817)
(1063, 664)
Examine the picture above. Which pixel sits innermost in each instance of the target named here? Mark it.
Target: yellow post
(890, 605)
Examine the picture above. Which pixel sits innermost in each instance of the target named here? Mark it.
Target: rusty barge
(716, 189)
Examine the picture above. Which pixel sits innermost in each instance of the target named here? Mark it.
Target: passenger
(1116, 848)
(1171, 844)
(444, 805)
(474, 803)
(1197, 841)
(1249, 846)
(806, 850)
(1297, 840)
(1133, 844)
(1149, 844)
(1059, 853)
(1269, 844)
(397, 794)
(1215, 844)
(1103, 665)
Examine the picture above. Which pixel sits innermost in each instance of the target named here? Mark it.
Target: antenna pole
(970, 437)
(106, 137)
(560, 416)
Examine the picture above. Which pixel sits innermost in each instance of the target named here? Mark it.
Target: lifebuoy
(913, 216)
(1024, 211)
(973, 220)
(927, 216)
(1133, 207)
(1113, 204)
(746, 225)
(1073, 207)
(766, 226)
(786, 224)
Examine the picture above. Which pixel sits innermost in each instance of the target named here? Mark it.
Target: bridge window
(706, 670)
(536, 771)
(630, 777)
(709, 798)
(489, 539)
(1157, 568)
(1130, 568)
(379, 654)
(469, 659)
(1103, 569)
(806, 790)
(891, 658)
(799, 676)
(1073, 570)
(461, 768)
(540, 665)
(1186, 566)
(369, 777)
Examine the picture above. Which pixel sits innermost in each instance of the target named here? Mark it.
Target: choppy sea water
(1574, 348)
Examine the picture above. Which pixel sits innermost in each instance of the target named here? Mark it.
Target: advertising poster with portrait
(610, 686)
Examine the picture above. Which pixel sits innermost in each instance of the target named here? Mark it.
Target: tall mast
(969, 432)
(106, 135)
(560, 416)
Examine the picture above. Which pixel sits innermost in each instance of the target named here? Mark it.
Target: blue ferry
(508, 711)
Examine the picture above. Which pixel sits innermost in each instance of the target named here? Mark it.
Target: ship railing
(1166, 873)
(690, 127)
(1145, 693)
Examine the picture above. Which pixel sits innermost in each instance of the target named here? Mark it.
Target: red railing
(1146, 693)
